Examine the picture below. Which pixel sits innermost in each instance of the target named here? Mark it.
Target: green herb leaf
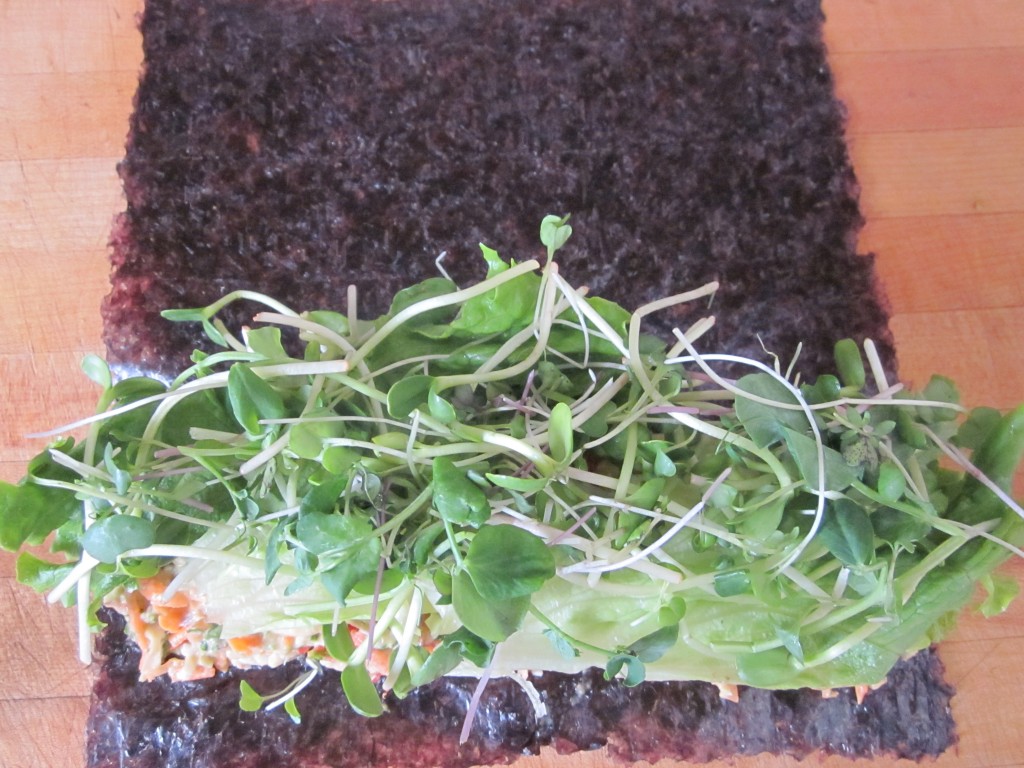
(652, 647)
(847, 532)
(562, 645)
(321, 533)
(29, 513)
(508, 306)
(40, 575)
(838, 474)
(767, 424)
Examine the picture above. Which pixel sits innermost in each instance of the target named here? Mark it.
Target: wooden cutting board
(937, 137)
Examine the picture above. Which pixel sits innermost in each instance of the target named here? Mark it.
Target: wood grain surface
(936, 130)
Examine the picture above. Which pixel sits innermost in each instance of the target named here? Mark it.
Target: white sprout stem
(130, 504)
(243, 294)
(575, 299)
(352, 305)
(485, 373)
(848, 642)
(210, 382)
(305, 324)
(380, 624)
(190, 552)
(474, 702)
(84, 470)
(294, 691)
(644, 553)
(265, 455)
(628, 463)
(412, 622)
(639, 369)
(84, 599)
(820, 489)
(875, 363)
(81, 569)
(802, 581)
(594, 317)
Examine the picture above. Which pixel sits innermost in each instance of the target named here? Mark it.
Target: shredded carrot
(153, 590)
(135, 604)
(379, 660)
(245, 642)
(172, 619)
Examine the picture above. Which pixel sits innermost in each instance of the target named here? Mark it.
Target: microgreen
(512, 475)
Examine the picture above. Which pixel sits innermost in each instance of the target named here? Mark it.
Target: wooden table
(937, 137)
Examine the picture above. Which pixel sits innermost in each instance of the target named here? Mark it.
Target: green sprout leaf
(850, 364)
(408, 394)
(507, 562)
(360, 691)
(1000, 591)
(635, 672)
(252, 399)
(491, 619)
(338, 642)
(458, 499)
(732, 583)
(96, 368)
(110, 537)
(554, 232)
(560, 433)
(250, 700)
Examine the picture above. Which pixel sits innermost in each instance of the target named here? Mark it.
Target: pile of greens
(552, 488)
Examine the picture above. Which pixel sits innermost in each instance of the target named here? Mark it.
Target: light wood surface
(934, 93)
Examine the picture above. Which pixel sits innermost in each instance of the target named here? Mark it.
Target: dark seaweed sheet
(295, 146)
(192, 725)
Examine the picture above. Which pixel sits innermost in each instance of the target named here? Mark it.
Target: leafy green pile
(513, 476)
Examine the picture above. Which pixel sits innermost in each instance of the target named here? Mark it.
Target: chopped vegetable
(513, 476)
